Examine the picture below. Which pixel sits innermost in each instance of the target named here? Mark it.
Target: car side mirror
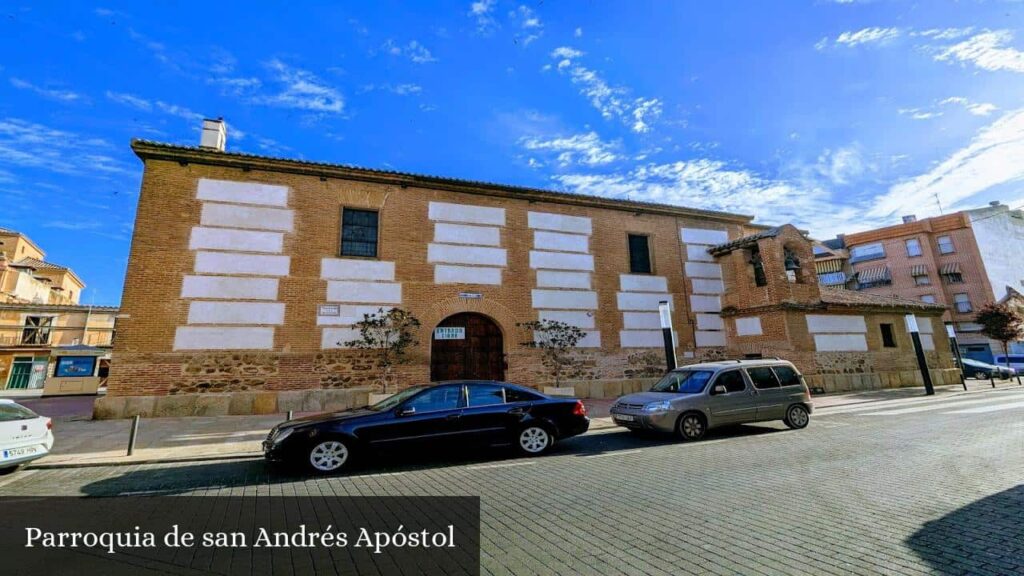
(406, 411)
(718, 389)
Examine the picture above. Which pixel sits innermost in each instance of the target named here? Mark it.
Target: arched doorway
(472, 349)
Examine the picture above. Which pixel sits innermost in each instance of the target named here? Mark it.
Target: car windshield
(392, 401)
(684, 382)
(10, 412)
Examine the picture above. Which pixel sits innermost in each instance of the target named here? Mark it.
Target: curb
(246, 456)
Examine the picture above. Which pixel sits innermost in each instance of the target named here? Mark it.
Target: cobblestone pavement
(913, 486)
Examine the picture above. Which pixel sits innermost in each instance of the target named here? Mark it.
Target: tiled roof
(40, 264)
(744, 242)
(148, 148)
(843, 297)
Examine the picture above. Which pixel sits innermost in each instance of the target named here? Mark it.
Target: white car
(24, 436)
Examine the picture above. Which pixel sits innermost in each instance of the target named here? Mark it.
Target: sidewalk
(81, 443)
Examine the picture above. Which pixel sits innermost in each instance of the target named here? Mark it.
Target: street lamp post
(665, 312)
(955, 346)
(922, 364)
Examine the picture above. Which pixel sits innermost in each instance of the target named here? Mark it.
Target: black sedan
(434, 416)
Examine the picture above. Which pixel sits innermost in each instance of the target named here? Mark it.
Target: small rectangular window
(954, 278)
(484, 395)
(732, 380)
(867, 252)
(359, 233)
(639, 254)
(929, 298)
(922, 280)
(963, 303)
(913, 247)
(888, 336)
(945, 245)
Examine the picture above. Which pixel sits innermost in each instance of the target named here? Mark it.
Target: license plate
(19, 452)
(625, 418)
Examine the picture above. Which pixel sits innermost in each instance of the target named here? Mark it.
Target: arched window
(758, 267)
(792, 264)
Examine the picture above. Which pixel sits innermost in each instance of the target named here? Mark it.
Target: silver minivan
(692, 399)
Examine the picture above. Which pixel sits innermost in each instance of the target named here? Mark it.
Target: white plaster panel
(641, 339)
(924, 325)
(840, 343)
(465, 234)
(559, 222)
(698, 253)
(827, 323)
(229, 288)
(251, 217)
(334, 337)
(590, 339)
(453, 254)
(211, 312)
(570, 317)
(561, 261)
(446, 274)
(349, 314)
(707, 338)
(356, 269)
(703, 270)
(710, 322)
(565, 299)
(224, 338)
(465, 213)
(553, 279)
(705, 303)
(231, 239)
(706, 286)
(255, 264)
(557, 241)
(376, 292)
(748, 326)
(644, 283)
(927, 342)
(641, 300)
(703, 236)
(242, 192)
(641, 321)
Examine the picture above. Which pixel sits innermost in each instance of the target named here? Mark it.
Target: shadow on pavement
(986, 536)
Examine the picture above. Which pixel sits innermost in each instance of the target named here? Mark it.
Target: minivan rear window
(763, 377)
(787, 376)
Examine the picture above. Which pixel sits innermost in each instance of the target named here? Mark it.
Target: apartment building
(26, 276)
(243, 301)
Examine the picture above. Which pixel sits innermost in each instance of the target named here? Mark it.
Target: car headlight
(282, 435)
(658, 406)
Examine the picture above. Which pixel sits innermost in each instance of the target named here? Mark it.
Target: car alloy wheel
(534, 440)
(797, 417)
(981, 375)
(691, 427)
(328, 456)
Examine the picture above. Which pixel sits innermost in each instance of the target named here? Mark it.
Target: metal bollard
(290, 414)
(992, 379)
(133, 434)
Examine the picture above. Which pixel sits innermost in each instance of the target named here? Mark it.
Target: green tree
(555, 340)
(1001, 323)
(388, 334)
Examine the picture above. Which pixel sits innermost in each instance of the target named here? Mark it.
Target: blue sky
(835, 115)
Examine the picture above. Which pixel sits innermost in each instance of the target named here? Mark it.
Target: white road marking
(983, 409)
(620, 453)
(886, 404)
(937, 405)
(375, 475)
(508, 465)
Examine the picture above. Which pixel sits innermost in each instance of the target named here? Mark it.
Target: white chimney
(909, 219)
(215, 134)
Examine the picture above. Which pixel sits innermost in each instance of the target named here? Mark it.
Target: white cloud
(302, 90)
(919, 114)
(399, 89)
(843, 165)
(986, 51)
(130, 100)
(530, 24)
(944, 33)
(482, 11)
(565, 52)
(414, 51)
(976, 108)
(992, 158)
(868, 36)
(578, 33)
(179, 111)
(53, 94)
(587, 149)
(29, 145)
(644, 112)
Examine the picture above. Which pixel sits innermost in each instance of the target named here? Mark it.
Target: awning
(951, 268)
(832, 279)
(826, 266)
(919, 270)
(872, 275)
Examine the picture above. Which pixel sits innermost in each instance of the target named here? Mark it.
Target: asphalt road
(918, 486)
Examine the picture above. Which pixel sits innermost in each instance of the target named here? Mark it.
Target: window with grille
(639, 254)
(954, 278)
(945, 245)
(37, 330)
(359, 233)
(922, 280)
(963, 303)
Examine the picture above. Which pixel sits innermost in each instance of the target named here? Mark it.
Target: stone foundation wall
(230, 403)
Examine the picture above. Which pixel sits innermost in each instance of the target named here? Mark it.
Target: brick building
(246, 274)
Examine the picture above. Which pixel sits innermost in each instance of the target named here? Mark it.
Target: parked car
(983, 370)
(693, 399)
(430, 418)
(1016, 361)
(24, 436)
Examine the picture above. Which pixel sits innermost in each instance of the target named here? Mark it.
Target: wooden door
(477, 355)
